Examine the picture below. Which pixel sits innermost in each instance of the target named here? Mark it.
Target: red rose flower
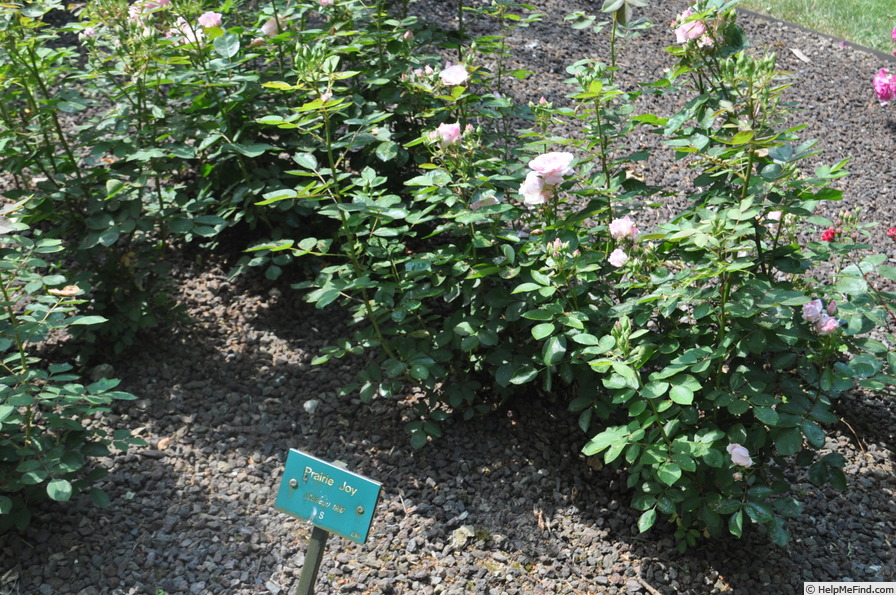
(830, 234)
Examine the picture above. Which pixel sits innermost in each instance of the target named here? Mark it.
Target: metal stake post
(313, 557)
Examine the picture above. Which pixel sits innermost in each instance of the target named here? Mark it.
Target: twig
(854, 435)
(647, 586)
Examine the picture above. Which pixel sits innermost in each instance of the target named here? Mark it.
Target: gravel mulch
(501, 505)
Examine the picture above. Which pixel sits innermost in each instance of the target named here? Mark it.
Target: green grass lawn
(865, 22)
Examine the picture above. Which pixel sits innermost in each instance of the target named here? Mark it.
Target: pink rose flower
(891, 233)
(774, 216)
(740, 455)
(618, 258)
(446, 134)
(326, 2)
(826, 325)
(885, 86)
(688, 31)
(408, 35)
(89, 32)
(454, 74)
(552, 166)
(623, 228)
(812, 311)
(210, 19)
(533, 190)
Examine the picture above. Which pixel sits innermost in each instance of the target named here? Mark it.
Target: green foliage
(675, 346)
(482, 256)
(46, 438)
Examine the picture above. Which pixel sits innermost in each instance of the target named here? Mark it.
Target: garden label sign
(330, 496)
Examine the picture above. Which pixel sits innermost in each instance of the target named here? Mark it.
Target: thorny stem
(20, 346)
(603, 156)
(613, 46)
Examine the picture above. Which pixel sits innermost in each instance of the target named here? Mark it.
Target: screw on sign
(333, 498)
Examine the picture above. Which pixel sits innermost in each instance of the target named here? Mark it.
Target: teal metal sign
(328, 495)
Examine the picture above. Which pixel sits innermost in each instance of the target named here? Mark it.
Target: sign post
(333, 498)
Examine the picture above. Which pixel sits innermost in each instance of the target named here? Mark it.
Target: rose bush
(479, 261)
(694, 353)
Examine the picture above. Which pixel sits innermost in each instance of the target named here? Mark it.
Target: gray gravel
(503, 504)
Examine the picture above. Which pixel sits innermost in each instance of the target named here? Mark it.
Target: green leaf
(818, 473)
(585, 339)
(5, 505)
(736, 524)
(612, 5)
(789, 442)
(59, 490)
(553, 351)
(249, 149)
(387, 151)
(99, 497)
(647, 519)
(228, 45)
(418, 440)
(837, 478)
(788, 507)
(681, 395)
(741, 138)
(851, 286)
(523, 374)
(759, 512)
(668, 473)
(526, 287)
(834, 459)
(305, 160)
(814, 434)
(545, 329)
(540, 314)
(766, 415)
(86, 320)
(779, 535)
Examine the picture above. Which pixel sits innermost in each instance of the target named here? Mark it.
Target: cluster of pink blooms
(548, 170)
(740, 455)
(691, 30)
(892, 233)
(820, 317)
(621, 229)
